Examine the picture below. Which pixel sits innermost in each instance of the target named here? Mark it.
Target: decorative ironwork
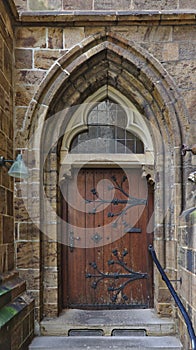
(96, 238)
(129, 276)
(130, 201)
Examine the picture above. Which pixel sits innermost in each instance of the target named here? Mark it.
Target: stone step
(107, 321)
(105, 343)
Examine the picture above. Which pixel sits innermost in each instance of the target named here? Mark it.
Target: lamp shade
(18, 168)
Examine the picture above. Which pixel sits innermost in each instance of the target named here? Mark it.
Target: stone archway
(108, 59)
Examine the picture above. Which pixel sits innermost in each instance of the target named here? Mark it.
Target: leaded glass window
(107, 132)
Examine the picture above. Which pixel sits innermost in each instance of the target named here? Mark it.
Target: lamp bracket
(185, 149)
(3, 161)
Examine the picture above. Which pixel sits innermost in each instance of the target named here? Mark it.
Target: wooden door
(106, 263)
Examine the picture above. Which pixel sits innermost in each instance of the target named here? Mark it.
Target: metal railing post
(176, 297)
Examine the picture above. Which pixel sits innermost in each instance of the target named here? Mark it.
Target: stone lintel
(86, 18)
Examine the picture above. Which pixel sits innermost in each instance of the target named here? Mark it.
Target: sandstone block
(113, 5)
(24, 94)
(183, 34)
(2, 99)
(8, 229)
(6, 85)
(186, 290)
(51, 277)
(7, 127)
(183, 73)
(187, 50)
(29, 77)
(28, 231)
(20, 116)
(50, 295)
(7, 63)
(164, 295)
(3, 258)
(30, 37)
(77, 4)
(170, 52)
(3, 208)
(24, 58)
(184, 4)
(73, 36)
(155, 4)
(9, 203)
(51, 310)
(1, 229)
(1, 53)
(135, 33)
(10, 256)
(164, 309)
(50, 249)
(193, 286)
(21, 5)
(92, 30)
(28, 255)
(157, 34)
(55, 38)
(21, 209)
(44, 59)
(40, 5)
(32, 278)
(34, 208)
(7, 181)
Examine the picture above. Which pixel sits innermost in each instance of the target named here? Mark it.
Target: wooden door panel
(109, 242)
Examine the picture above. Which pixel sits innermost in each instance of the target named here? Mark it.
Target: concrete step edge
(102, 343)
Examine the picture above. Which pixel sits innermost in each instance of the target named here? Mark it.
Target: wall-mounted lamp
(185, 149)
(192, 177)
(18, 168)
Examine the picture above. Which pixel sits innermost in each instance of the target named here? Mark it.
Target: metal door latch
(71, 240)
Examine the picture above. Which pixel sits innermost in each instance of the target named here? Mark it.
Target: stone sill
(107, 17)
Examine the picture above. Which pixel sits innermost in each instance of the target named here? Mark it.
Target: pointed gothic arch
(108, 60)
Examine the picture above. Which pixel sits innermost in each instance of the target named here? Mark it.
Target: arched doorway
(107, 207)
(94, 66)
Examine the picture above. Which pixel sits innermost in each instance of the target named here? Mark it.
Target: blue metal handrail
(176, 297)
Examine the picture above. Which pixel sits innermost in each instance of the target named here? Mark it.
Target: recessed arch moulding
(79, 123)
(108, 65)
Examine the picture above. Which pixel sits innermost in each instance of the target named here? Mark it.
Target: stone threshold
(107, 321)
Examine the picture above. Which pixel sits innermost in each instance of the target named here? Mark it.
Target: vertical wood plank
(76, 256)
(90, 223)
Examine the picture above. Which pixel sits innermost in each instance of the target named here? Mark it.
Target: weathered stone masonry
(126, 5)
(62, 59)
(16, 308)
(167, 43)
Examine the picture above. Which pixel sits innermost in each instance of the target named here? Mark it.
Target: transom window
(107, 132)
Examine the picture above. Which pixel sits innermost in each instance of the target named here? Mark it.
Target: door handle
(72, 238)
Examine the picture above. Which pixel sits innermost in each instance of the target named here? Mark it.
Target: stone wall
(17, 309)
(102, 5)
(38, 46)
(6, 144)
